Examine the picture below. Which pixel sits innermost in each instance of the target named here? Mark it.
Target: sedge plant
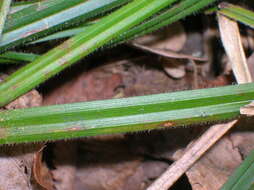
(127, 20)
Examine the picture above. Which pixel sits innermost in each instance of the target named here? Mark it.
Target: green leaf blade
(237, 13)
(243, 176)
(45, 17)
(177, 12)
(77, 47)
(18, 57)
(124, 115)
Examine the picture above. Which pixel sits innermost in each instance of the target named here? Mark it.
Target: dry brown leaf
(41, 172)
(191, 155)
(16, 161)
(176, 71)
(16, 166)
(213, 169)
(105, 163)
(243, 141)
(231, 39)
(250, 63)
(110, 176)
(30, 99)
(247, 39)
(173, 68)
(248, 110)
(168, 53)
(92, 85)
(64, 159)
(171, 38)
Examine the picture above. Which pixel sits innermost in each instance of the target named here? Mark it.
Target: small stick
(178, 168)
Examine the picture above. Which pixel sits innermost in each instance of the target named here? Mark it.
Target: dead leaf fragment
(16, 166)
(93, 85)
(16, 161)
(168, 53)
(65, 155)
(175, 71)
(30, 99)
(248, 110)
(231, 38)
(41, 173)
(250, 63)
(213, 169)
(191, 155)
(172, 38)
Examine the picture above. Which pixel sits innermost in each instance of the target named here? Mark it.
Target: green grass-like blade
(19, 5)
(243, 177)
(45, 17)
(237, 13)
(63, 34)
(160, 20)
(77, 47)
(123, 115)
(4, 9)
(180, 11)
(169, 16)
(17, 57)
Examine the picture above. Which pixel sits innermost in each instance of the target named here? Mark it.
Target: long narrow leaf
(243, 177)
(123, 115)
(151, 25)
(237, 13)
(171, 15)
(17, 57)
(77, 47)
(45, 17)
(62, 34)
(180, 11)
(183, 9)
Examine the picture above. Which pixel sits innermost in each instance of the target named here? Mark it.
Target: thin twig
(178, 168)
